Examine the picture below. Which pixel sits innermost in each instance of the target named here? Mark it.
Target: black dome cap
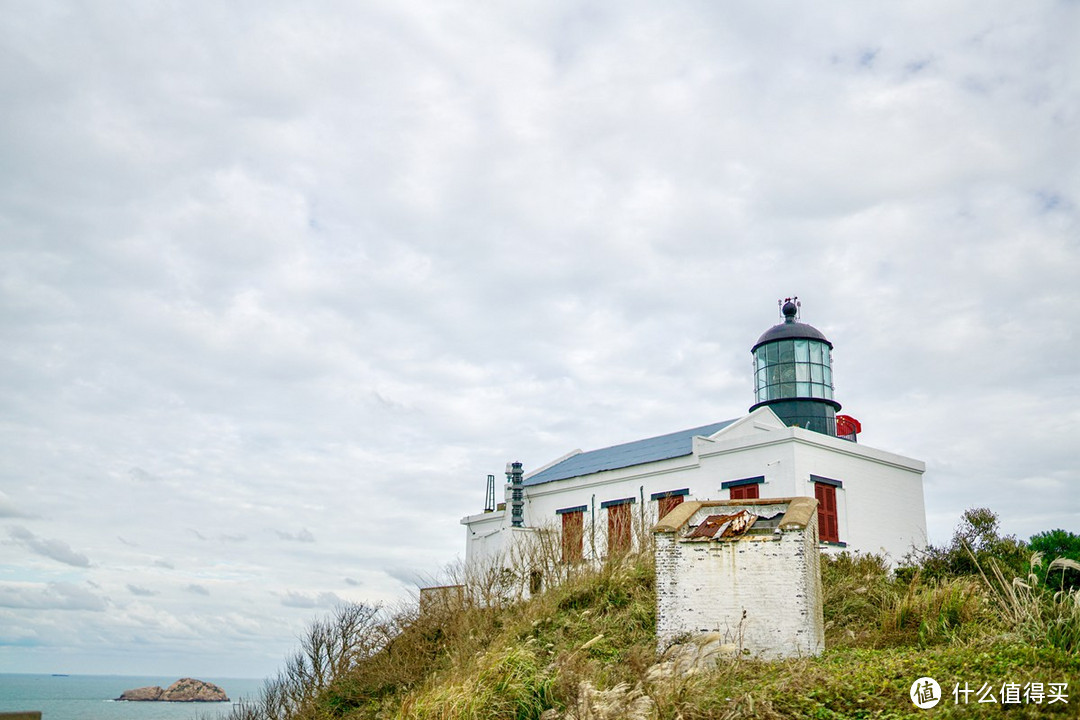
(790, 328)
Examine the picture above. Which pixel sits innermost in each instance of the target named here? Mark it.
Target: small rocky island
(183, 690)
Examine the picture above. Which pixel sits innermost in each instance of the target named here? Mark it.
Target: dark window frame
(756, 480)
(668, 501)
(828, 509)
(669, 493)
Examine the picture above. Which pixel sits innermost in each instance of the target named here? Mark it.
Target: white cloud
(279, 276)
(56, 549)
(303, 536)
(311, 600)
(8, 509)
(50, 596)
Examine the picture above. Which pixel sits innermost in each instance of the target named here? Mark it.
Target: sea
(92, 697)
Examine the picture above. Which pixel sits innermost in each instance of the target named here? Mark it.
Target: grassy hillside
(584, 648)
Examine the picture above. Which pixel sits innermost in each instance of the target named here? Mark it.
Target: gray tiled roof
(662, 447)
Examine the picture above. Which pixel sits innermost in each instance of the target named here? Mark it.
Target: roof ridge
(635, 452)
(662, 435)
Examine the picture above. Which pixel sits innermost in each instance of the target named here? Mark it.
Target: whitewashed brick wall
(762, 593)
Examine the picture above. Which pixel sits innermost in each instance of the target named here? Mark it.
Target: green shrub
(1059, 544)
(975, 541)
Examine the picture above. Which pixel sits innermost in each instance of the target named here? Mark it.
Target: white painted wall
(880, 506)
(484, 535)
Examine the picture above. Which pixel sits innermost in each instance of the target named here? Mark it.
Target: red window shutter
(744, 492)
(667, 504)
(828, 527)
(618, 536)
(573, 534)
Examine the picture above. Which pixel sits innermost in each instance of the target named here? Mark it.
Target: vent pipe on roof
(517, 495)
(489, 495)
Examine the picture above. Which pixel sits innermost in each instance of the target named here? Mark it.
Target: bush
(1061, 545)
(331, 648)
(975, 541)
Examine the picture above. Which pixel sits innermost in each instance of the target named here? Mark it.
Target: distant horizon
(126, 675)
(145, 674)
(96, 696)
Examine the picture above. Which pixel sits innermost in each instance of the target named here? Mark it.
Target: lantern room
(793, 373)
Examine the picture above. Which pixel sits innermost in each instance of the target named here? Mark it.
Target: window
(793, 368)
(744, 492)
(573, 534)
(825, 493)
(744, 489)
(668, 501)
(618, 525)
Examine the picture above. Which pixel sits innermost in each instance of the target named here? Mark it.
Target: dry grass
(586, 642)
(1034, 611)
(867, 606)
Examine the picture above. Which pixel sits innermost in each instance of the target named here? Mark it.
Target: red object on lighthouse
(847, 426)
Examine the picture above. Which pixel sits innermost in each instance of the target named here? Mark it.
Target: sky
(281, 283)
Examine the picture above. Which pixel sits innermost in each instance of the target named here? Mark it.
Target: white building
(600, 501)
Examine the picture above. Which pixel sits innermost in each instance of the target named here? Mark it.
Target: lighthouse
(793, 373)
(793, 443)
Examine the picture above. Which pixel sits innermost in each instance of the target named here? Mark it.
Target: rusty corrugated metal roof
(723, 526)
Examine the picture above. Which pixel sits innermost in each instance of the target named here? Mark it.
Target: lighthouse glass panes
(797, 368)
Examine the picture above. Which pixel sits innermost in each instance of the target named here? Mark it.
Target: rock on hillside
(183, 690)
